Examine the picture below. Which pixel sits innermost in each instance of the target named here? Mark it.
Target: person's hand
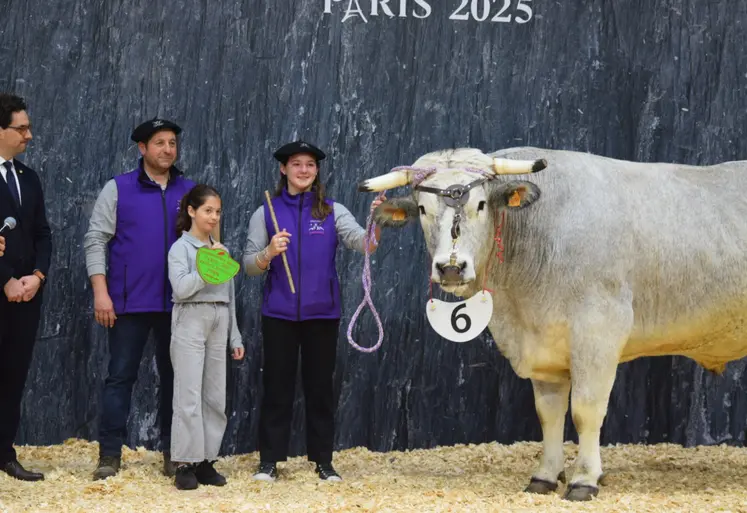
(103, 309)
(14, 290)
(278, 244)
(238, 353)
(31, 286)
(218, 245)
(2, 245)
(376, 202)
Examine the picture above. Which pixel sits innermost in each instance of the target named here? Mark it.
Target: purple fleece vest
(138, 253)
(311, 258)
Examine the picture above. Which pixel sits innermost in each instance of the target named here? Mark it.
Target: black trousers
(18, 325)
(317, 341)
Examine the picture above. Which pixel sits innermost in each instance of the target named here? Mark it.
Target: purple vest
(311, 258)
(138, 253)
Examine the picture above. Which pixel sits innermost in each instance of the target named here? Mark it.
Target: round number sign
(462, 321)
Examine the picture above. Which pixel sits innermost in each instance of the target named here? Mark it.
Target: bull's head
(453, 201)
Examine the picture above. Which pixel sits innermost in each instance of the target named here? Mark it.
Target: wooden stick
(216, 232)
(277, 230)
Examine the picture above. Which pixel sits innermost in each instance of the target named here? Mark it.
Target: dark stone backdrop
(651, 80)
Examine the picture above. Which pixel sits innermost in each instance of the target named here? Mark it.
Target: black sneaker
(267, 471)
(185, 477)
(108, 466)
(327, 472)
(207, 475)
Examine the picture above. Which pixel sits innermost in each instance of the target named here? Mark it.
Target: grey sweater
(189, 287)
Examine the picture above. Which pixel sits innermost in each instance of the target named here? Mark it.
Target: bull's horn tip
(363, 187)
(539, 165)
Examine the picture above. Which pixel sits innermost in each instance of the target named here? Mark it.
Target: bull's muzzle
(451, 274)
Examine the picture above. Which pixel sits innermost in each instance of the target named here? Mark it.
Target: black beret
(144, 131)
(287, 151)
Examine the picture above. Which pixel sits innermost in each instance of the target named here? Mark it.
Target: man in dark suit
(23, 270)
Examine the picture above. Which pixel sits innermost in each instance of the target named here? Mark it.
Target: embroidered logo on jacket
(315, 227)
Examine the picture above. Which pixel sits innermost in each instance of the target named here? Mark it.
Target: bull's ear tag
(514, 200)
(399, 215)
(462, 321)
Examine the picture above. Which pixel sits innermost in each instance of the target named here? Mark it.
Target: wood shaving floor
(486, 477)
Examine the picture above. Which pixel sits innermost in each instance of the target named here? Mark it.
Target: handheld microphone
(9, 223)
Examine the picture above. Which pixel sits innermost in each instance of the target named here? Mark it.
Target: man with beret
(134, 221)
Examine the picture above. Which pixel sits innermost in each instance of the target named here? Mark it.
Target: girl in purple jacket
(308, 320)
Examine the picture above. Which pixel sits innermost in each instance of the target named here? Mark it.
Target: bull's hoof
(541, 486)
(580, 492)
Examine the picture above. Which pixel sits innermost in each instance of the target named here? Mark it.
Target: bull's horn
(517, 167)
(385, 182)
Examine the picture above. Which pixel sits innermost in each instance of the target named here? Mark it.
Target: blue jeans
(126, 344)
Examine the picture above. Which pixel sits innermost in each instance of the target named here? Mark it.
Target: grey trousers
(199, 340)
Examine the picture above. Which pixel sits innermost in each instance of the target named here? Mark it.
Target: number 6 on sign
(462, 321)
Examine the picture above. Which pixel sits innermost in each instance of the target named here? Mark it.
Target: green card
(216, 266)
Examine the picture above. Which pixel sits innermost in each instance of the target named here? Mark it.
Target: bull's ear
(395, 213)
(518, 194)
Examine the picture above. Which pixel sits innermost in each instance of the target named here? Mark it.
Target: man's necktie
(12, 185)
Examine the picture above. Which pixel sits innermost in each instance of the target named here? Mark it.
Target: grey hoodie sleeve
(350, 232)
(256, 241)
(185, 283)
(101, 229)
(235, 335)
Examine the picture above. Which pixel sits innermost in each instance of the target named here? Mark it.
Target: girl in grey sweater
(203, 321)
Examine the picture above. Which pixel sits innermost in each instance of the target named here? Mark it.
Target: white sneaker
(267, 471)
(327, 472)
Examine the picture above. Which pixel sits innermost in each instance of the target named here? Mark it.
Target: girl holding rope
(294, 238)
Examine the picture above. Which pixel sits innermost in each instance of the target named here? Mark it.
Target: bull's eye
(422, 210)
(480, 205)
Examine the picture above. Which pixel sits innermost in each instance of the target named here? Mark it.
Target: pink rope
(370, 235)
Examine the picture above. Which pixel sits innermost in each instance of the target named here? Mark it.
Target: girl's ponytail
(183, 221)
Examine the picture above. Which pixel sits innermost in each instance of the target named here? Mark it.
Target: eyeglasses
(23, 129)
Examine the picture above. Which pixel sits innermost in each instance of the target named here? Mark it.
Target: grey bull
(605, 261)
